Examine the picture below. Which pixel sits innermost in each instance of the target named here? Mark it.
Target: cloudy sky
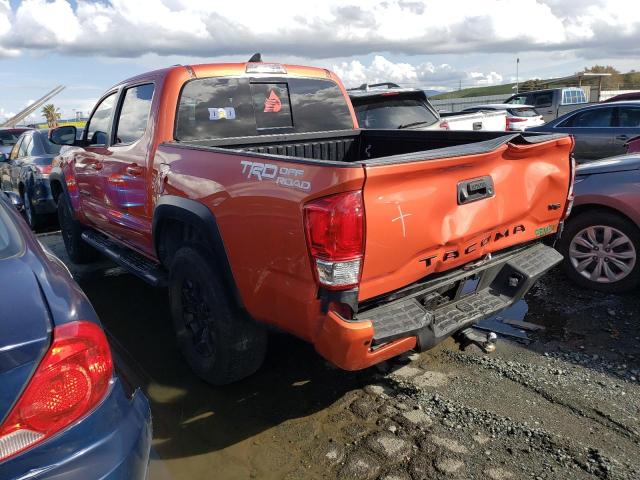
(436, 44)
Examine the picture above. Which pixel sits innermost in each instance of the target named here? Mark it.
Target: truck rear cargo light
(511, 120)
(265, 68)
(444, 125)
(72, 378)
(334, 226)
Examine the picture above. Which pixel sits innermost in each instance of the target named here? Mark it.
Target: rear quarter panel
(261, 224)
(616, 190)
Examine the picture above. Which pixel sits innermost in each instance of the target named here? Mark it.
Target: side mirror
(15, 200)
(63, 135)
(3, 158)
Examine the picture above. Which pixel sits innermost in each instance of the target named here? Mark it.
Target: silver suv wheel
(603, 254)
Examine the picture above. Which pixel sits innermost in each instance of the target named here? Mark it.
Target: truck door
(125, 168)
(89, 163)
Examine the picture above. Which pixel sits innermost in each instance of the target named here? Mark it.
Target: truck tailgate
(430, 215)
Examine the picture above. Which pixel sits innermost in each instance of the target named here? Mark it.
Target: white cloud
(123, 28)
(425, 75)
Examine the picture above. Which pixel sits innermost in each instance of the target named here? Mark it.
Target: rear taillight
(71, 379)
(335, 235)
(511, 120)
(444, 125)
(44, 169)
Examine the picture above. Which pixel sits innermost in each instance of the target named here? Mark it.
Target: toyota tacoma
(250, 193)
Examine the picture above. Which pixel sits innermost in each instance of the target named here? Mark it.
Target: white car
(519, 117)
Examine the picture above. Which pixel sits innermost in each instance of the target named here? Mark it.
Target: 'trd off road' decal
(284, 176)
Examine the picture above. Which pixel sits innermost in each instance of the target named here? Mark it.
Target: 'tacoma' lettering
(453, 254)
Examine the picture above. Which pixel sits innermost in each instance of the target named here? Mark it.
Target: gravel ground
(565, 405)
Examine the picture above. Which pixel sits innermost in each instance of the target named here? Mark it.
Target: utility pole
(517, 75)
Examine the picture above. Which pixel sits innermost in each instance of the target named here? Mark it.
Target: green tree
(610, 82)
(529, 85)
(52, 114)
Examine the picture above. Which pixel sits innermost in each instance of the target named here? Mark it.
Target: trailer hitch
(486, 341)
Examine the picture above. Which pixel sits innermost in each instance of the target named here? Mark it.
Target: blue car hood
(25, 328)
(608, 165)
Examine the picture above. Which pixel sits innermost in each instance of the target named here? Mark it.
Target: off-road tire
(218, 341)
(78, 250)
(591, 218)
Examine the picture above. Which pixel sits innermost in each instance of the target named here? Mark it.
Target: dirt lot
(564, 406)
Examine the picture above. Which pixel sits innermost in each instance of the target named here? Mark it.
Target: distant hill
(431, 93)
(477, 92)
(622, 81)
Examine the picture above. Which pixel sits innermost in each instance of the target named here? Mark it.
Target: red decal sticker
(273, 103)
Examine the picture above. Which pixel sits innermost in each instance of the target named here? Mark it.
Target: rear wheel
(33, 219)
(218, 341)
(78, 250)
(600, 251)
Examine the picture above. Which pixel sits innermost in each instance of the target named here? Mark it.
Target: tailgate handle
(475, 189)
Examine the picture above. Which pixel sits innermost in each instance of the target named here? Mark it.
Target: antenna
(256, 58)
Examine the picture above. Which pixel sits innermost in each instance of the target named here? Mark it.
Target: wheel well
(56, 189)
(171, 234)
(579, 210)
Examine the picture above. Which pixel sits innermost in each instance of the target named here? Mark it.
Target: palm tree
(52, 115)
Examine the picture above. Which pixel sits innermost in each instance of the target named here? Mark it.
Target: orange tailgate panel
(415, 226)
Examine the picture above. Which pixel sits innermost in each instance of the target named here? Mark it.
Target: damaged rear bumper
(422, 315)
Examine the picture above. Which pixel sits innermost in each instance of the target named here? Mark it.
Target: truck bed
(370, 147)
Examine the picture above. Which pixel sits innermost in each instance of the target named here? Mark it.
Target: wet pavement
(564, 404)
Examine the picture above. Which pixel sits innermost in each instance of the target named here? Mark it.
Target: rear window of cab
(213, 108)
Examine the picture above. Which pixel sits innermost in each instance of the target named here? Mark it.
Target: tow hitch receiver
(486, 341)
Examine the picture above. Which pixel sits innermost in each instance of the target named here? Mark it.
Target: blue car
(64, 412)
(25, 171)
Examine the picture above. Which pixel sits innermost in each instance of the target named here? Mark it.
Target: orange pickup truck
(250, 193)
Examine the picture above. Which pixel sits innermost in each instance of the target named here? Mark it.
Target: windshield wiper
(409, 125)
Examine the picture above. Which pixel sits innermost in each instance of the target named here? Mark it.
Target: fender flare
(196, 214)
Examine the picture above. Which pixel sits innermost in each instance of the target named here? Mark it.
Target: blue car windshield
(9, 238)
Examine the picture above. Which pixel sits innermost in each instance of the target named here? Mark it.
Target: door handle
(622, 137)
(95, 166)
(134, 170)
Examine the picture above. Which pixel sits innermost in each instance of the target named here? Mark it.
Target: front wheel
(78, 250)
(218, 341)
(600, 251)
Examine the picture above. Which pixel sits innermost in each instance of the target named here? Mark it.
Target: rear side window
(134, 113)
(594, 118)
(211, 108)
(542, 99)
(628, 117)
